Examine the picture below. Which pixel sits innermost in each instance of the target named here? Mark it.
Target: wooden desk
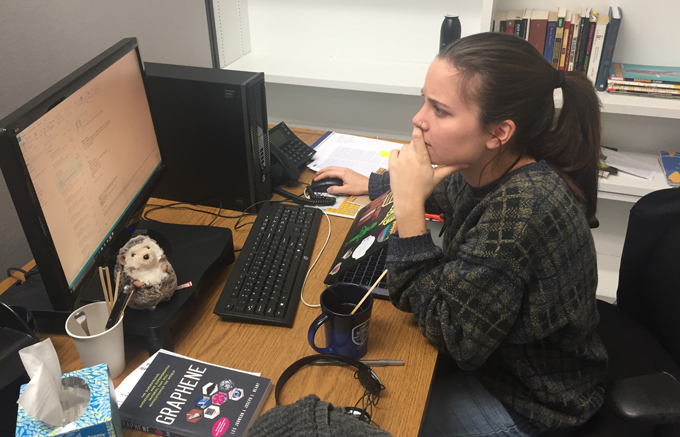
(269, 350)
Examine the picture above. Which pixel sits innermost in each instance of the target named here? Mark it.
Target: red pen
(435, 217)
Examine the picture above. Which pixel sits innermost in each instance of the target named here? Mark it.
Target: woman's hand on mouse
(354, 184)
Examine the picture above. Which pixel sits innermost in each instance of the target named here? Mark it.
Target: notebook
(361, 258)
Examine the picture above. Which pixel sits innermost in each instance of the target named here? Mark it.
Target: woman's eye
(438, 111)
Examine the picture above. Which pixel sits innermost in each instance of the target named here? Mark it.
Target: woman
(510, 300)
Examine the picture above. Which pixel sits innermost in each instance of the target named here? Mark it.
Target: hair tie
(560, 78)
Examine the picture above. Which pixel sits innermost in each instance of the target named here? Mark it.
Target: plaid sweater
(512, 295)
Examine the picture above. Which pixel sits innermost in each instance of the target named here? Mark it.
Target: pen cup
(103, 345)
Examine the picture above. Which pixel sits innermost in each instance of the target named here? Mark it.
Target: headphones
(366, 376)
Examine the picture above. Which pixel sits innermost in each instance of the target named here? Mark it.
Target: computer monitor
(80, 161)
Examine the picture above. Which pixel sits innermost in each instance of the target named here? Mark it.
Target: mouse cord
(328, 237)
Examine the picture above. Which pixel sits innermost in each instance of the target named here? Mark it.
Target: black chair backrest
(649, 276)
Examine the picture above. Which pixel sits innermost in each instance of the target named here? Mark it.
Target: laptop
(372, 227)
(361, 258)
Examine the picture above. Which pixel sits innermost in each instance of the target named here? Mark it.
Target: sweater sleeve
(467, 303)
(378, 184)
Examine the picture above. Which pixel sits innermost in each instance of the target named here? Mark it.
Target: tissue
(44, 397)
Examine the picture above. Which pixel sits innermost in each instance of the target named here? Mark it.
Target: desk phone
(288, 153)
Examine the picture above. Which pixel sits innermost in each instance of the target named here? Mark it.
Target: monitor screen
(88, 158)
(81, 160)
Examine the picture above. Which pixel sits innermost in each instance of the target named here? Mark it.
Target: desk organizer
(100, 419)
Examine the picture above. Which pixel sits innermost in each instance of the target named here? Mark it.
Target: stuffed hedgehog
(145, 267)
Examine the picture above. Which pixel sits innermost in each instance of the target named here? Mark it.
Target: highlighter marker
(384, 154)
(434, 217)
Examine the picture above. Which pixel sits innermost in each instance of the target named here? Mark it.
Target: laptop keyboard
(368, 271)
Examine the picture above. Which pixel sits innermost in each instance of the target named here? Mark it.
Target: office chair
(642, 331)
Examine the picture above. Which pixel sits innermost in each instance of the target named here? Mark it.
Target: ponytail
(508, 79)
(574, 141)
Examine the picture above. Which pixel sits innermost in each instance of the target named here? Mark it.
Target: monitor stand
(193, 251)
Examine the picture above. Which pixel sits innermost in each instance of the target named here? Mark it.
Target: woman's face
(450, 125)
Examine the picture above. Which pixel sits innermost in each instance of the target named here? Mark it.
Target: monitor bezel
(62, 296)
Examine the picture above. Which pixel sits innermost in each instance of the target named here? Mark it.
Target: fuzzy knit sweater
(512, 294)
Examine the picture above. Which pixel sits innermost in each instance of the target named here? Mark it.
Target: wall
(43, 41)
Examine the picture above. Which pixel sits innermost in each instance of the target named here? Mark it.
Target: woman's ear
(501, 134)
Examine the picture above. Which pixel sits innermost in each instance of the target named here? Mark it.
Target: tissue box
(100, 419)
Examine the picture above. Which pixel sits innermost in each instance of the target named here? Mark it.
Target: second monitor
(213, 131)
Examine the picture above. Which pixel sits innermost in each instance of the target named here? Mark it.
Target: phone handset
(283, 169)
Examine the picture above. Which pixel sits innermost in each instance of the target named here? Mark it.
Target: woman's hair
(508, 79)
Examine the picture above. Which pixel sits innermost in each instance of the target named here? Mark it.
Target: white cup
(102, 346)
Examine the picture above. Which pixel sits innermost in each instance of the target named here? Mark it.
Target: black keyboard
(297, 151)
(265, 284)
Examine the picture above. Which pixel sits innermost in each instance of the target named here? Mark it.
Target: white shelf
(634, 105)
(358, 75)
(628, 188)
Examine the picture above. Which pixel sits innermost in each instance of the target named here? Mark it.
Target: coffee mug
(346, 334)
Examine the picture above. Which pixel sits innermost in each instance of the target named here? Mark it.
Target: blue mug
(346, 334)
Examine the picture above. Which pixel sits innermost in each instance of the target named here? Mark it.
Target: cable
(27, 274)
(155, 207)
(328, 237)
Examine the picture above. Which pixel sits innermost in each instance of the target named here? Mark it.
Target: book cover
(582, 39)
(615, 16)
(559, 34)
(179, 396)
(575, 33)
(645, 73)
(592, 22)
(538, 25)
(598, 44)
(643, 85)
(550, 36)
(670, 164)
(566, 41)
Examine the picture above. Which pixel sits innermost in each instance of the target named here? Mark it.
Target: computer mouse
(321, 186)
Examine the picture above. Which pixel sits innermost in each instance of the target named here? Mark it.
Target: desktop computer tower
(212, 130)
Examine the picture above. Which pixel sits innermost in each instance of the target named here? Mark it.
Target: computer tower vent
(257, 111)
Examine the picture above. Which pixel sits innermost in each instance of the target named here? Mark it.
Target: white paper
(636, 164)
(125, 387)
(357, 153)
(42, 395)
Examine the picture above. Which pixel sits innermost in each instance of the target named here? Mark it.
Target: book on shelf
(670, 164)
(510, 22)
(654, 92)
(175, 395)
(559, 34)
(538, 25)
(598, 45)
(644, 85)
(550, 36)
(575, 33)
(583, 39)
(592, 24)
(566, 42)
(650, 74)
(615, 16)
(518, 23)
(526, 22)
